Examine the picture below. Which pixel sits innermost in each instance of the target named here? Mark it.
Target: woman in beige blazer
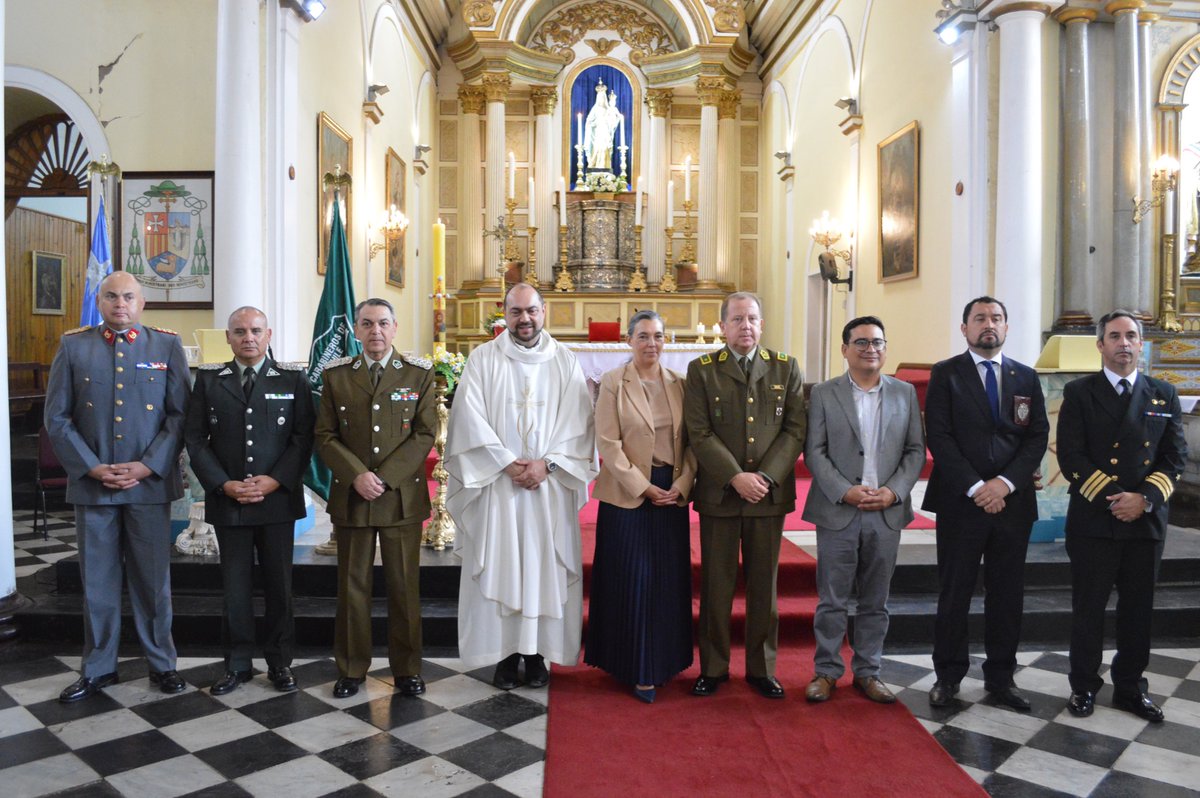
(640, 606)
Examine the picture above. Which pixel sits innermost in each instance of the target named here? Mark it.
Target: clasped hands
(991, 494)
(869, 499)
(120, 476)
(1126, 506)
(660, 497)
(751, 486)
(527, 474)
(251, 490)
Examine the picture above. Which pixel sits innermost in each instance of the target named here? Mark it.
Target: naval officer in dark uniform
(375, 428)
(249, 434)
(744, 408)
(1121, 447)
(115, 405)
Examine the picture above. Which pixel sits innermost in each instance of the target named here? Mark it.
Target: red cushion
(604, 331)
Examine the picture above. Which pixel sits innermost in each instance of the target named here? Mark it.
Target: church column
(545, 180)
(1127, 151)
(10, 599)
(710, 90)
(1148, 229)
(727, 188)
(283, 195)
(654, 209)
(495, 87)
(1077, 172)
(1019, 179)
(470, 216)
(238, 192)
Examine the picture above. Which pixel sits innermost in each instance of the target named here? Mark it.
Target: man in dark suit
(374, 430)
(115, 405)
(744, 408)
(985, 418)
(1121, 447)
(865, 450)
(249, 434)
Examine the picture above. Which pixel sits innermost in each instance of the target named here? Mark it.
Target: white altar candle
(512, 176)
(579, 127)
(562, 201)
(670, 202)
(1169, 213)
(700, 329)
(687, 179)
(637, 212)
(532, 214)
(621, 132)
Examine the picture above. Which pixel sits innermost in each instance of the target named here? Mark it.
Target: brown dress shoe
(874, 689)
(820, 688)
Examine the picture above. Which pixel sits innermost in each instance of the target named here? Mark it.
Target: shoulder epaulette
(211, 366)
(422, 362)
(341, 361)
(161, 329)
(292, 366)
(781, 356)
(78, 330)
(706, 359)
(721, 358)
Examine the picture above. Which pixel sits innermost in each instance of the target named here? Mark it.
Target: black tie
(745, 364)
(1125, 392)
(376, 369)
(248, 381)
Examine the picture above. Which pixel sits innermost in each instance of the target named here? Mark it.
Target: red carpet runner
(602, 742)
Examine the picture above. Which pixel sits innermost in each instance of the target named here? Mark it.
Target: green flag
(333, 331)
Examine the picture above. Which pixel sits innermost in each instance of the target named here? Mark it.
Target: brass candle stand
(637, 281)
(689, 246)
(564, 281)
(1167, 318)
(668, 284)
(531, 273)
(510, 240)
(439, 532)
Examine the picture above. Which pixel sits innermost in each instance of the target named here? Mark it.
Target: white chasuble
(521, 589)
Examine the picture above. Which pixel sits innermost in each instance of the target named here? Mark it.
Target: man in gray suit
(115, 406)
(865, 450)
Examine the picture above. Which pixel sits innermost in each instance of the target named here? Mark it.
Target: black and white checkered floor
(464, 737)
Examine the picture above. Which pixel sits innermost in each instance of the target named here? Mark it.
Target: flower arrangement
(605, 182)
(449, 366)
(494, 320)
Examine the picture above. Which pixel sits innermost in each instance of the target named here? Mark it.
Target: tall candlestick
(579, 127)
(670, 200)
(439, 287)
(562, 202)
(532, 214)
(621, 132)
(687, 179)
(637, 208)
(512, 176)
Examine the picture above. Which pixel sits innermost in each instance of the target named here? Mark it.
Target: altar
(595, 359)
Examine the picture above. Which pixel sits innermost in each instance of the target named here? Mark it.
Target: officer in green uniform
(374, 430)
(745, 414)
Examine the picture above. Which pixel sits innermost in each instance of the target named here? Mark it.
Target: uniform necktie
(993, 390)
(744, 362)
(376, 369)
(248, 381)
(1125, 391)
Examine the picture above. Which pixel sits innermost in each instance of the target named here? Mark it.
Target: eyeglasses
(863, 344)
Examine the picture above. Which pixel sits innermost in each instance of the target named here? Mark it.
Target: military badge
(721, 358)
(1022, 407)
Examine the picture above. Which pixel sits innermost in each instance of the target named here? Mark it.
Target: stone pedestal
(600, 243)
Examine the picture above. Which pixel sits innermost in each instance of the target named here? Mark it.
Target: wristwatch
(551, 466)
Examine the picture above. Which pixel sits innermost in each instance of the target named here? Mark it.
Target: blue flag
(99, 266)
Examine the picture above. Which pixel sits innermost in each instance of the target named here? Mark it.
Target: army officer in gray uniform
(249, 433)
(115, 406)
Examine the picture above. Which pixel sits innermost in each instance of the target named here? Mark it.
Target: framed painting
(899, 203)
(165, 237)
(48, 283)
(395, 189)
(335, 150)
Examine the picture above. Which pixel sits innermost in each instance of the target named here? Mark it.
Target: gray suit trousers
(135, 537)
(858, 559)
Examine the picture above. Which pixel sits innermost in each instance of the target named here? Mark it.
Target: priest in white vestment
(520, 452)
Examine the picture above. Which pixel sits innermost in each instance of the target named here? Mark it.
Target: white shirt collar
(1113, 378)
(996, 358)
(384, 362)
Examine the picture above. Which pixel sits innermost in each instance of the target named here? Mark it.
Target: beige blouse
(664, 446)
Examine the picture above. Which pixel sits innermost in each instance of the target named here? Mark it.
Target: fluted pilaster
(710, 90)
(496, 86)
(1077, 300)
(1127, 153)
(727, 187)
(545, 98)
(655, 211)
(470, 215)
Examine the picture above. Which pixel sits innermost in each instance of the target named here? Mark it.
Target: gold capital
(659, 101)
(1120, 6)
(471, 98)
(1069, 14)
(544, 99)
(496, 86)
(727, 106)
(710, 88)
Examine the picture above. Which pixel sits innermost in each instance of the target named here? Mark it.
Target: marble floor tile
(526, 782)
(371, 756)
(166, 779)
(1160, 764)
(532, 731)
(456, 691)
(494, 756)
(99, 728)
(48, 775)
(307, 777)
(326, 731)
(16, 720)
(251, 754)
(442, 732)
(211, 730)
(1053, 771)
(431, 777)
(1000, 723)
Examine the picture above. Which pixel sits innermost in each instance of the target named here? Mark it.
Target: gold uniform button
(120, 385)
(120, 437)
(376, 428)
(120, 369)
(249, 426)
(120, 402)
(87, 379)
(249, 459)
(1145, 462)
(1113, 461)
(375, 450)
(149, 407)
(249, 410)
(249, 443)
(120, 354)
(716, 398)
(750, 440)
(374, 407)
(1116, 446)
(89, 404)
(1147, 444)
(750, 419)
(750, 399)
(118, 419)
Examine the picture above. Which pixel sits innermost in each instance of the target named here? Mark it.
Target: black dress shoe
(347, 686)
(769, 686)
(283, 679)
(505, 676)
(1010, 697)
(170, 682)
(1141, 705)
(410, 685)
(85, 687)
(1081, 704)
(230, 682)
(707, 685)
(536, 673)
(942, 694)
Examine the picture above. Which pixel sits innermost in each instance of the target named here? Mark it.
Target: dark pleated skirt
(640, 605)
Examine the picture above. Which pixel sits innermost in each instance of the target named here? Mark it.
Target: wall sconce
(307, 10)
(955, 19)
(419, 161)
(1163, 180)
(827, 232)
(393, 225)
